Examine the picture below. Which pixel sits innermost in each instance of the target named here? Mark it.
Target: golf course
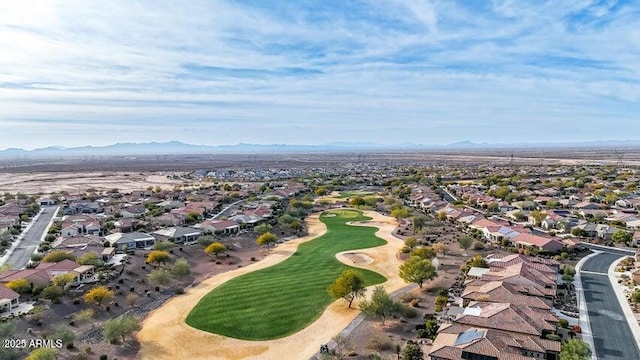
(282, 299)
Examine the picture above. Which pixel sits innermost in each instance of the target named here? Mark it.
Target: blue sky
(310, 72)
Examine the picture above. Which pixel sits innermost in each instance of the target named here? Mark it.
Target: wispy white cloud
(272, 72)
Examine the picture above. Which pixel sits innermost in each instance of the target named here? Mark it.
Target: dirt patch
(34, 183)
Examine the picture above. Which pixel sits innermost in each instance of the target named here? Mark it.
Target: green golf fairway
(282, 299)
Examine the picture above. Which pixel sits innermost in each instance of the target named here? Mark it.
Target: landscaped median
(282, 299)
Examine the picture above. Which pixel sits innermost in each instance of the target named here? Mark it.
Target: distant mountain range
(176, 147)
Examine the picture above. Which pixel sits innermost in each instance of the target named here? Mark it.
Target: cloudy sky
(309, 72)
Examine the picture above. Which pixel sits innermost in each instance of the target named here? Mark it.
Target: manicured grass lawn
(346, 194)
(282, 299)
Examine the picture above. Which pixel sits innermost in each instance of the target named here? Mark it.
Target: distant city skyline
(227, 72)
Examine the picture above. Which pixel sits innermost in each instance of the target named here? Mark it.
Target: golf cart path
(165, 334)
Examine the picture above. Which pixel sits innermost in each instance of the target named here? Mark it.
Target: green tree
(493, 207)
(576, 231)
(84, 315)
(159, 277)
(519, 215)
(7, 331)
(266, 239)
(65, 334)
(62, 280)
(52, 292)
(417, 270)
(356, 201)
(216, 249)
(400, 213)
(424, 252)
(349, 286)
(158, 256)
(575, 349)
(192, 218)
(263, 228)
(321, 191)
(411, 242)
(537, 216)
(90, 259)
(380, 305)
(622, 236)
(465, 242)
(206, 240)
(419, 221)
(412, 351)
(98, 295)
(120, 327)
(163, 245)
(58, 255)
(181, 268)
(478, 261)
(42, 353)
(21, 286)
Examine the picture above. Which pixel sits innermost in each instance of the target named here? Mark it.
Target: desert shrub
(379, 344)
(553, 337)
(409, 312)
(563, 323)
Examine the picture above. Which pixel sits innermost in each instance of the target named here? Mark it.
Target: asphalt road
(612, 336)
(21, 255)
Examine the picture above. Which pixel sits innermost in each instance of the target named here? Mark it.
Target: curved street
(612, 336)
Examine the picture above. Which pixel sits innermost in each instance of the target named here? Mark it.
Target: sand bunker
(355, 258)
(165, 335)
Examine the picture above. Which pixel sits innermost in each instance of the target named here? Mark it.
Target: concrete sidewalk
(624, 303)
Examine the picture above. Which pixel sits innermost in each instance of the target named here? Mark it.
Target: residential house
(538, 242)
(457, 341)
(125, 225)
(601, 231)
(225, 227)
(133, 240)
(35, 277)
(9, 299)
(82, 207)
(77, 241)
(178, 234)
(170, 204)
(80, 272)
(585, 205)
(503, 292)
(133, 212)
(508, 317)
(169, 219)
(74, 225)
(249, 219)
(525, 275)
(46, 201)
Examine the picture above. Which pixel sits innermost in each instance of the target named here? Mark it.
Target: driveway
(21, 255)
(612, 335)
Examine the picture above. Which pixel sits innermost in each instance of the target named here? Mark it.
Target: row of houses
(503, 313)
(10, 215)
(41, 276)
